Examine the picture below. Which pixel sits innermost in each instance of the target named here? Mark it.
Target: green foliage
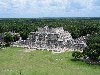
(24, 35)
(7, 37)
(76, 26)
(93, 47)
(77, 54)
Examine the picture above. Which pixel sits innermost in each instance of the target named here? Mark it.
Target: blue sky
(49, 8)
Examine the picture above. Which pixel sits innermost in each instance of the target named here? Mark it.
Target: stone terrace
(52, 39)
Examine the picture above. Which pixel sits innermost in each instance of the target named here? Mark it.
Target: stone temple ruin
(52, 39)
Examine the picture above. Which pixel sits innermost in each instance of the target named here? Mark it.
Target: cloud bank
(49, 8)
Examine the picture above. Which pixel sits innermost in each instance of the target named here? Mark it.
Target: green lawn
(14, 61)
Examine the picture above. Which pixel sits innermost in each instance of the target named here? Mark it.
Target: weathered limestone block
(55, 39)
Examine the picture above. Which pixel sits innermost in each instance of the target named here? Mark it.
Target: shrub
(7, 37)
(7, 45)
(77, 54)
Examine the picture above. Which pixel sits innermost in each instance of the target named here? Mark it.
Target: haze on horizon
(49, 8)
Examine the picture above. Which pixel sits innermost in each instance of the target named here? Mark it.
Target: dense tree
(24, 35)
(77, 26)
(93, 47)
(8, 37)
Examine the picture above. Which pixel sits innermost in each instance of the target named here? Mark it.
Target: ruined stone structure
(55, 39)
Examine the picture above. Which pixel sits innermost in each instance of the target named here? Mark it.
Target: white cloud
(48, 6)
(3, 5)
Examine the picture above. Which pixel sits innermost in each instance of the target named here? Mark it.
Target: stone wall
(55, 39)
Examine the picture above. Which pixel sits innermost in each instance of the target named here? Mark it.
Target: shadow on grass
(75, 60)
(86, 61)
(1, 49)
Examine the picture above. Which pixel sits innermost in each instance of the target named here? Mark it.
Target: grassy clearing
(14, 61)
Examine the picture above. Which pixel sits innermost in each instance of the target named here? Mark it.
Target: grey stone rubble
(52, 39)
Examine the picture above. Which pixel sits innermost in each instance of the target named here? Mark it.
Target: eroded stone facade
(55, 39)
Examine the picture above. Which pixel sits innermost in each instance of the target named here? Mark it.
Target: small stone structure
(52, 39)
